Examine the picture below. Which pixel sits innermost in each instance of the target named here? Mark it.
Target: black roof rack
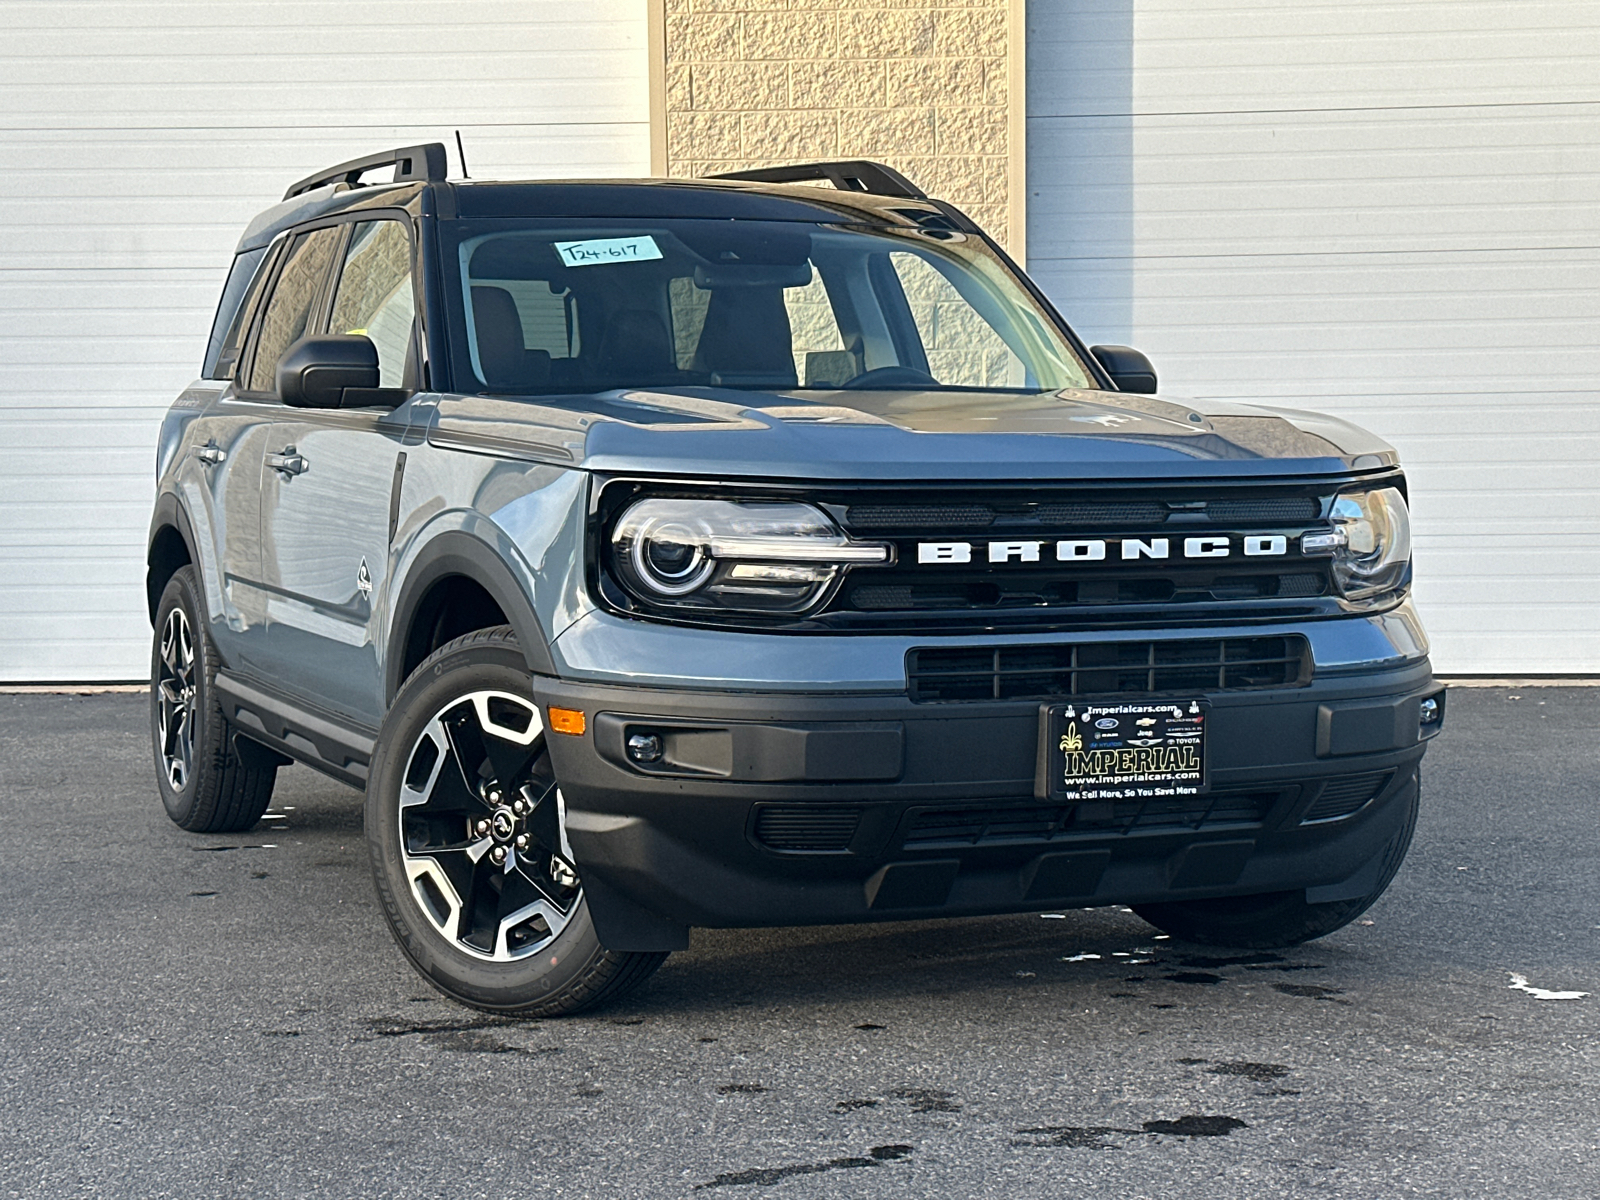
(856, 175)
(414, 162)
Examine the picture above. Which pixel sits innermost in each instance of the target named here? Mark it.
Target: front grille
(933, 593)
(1136, 513)
(1345, 795)
(1275, 510)
(934, 828)
(806, 829)
(1035, 579)
(919, 516)
(1104, 668)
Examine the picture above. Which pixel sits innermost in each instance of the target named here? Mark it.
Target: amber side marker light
(567, 720)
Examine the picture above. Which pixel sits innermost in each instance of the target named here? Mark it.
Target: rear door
(222, 486)
(326, 492)
(237, 439)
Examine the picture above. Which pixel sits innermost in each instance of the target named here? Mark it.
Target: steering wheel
(891, 377)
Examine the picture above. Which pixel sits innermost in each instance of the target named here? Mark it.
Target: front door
(325, 556)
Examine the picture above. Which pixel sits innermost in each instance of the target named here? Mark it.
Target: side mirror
(1129, 370)
(316, 370)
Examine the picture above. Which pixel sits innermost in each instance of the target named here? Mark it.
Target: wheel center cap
(503, 824)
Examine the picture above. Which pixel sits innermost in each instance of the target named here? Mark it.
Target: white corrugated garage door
(136, 139)
(1390, 212)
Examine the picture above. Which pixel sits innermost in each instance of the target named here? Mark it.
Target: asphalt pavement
(197, 1016)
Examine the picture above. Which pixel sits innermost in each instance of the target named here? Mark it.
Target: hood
(906, 435)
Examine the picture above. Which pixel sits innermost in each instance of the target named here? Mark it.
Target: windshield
(551, 306)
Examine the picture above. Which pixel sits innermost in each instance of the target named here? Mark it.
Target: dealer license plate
(1123, 751)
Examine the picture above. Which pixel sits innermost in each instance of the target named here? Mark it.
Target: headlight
(754, 556)
(1370, 541)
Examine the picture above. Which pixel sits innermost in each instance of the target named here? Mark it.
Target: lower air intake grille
(1101, 668)
(1013, 824)
(807, 829)
(1345, 795)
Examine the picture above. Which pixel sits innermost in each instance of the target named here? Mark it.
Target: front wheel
(467, 838)
(1278, 919)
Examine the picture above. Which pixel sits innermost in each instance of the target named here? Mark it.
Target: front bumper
(784, 809)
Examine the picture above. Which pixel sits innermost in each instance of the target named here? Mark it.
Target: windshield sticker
(608, 250)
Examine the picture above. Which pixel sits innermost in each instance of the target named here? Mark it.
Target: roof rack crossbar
(854, 175)
(414, 162)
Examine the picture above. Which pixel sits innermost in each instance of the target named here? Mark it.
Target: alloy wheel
(175, 699)
(482, 829)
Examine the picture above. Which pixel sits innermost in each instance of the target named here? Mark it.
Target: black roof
(731, 197)
(682, 198)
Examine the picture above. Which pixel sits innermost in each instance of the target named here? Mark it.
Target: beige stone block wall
(933, 88)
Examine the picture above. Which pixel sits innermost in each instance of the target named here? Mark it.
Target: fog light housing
(1430, 716)
(645, 747)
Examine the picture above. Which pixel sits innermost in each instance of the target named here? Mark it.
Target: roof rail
(414, 162)
(855, 175)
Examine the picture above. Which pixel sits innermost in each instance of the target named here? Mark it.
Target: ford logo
(1106, 723)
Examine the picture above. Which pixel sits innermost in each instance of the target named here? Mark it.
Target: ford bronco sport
(746, 551)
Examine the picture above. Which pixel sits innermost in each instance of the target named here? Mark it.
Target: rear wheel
(206, 784)
(467, 838)
(1278, 919)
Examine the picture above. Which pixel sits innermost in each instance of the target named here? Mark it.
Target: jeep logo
(1098, 549)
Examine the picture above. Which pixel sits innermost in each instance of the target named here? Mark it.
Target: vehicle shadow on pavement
(1093, 956)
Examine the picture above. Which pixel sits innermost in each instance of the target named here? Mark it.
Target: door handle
(211, 454)
(288, 463)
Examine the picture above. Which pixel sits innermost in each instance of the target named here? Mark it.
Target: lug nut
(494, 796)
(522, 841)
(518, 807)
(562, 873)
(645, 747)
(482, 828)
(498, 854)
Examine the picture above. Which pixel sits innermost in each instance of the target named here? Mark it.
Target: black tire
(1278, 919)
(206, 786)
(483, 950)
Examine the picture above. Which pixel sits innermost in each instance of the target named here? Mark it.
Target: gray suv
(744, 551)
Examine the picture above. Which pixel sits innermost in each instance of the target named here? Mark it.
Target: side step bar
(316, 739)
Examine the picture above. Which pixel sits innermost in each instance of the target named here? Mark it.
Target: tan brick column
(934, 88)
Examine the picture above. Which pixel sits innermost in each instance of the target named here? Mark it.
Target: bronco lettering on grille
(1095, 549)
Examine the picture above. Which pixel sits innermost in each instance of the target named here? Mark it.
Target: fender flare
(454, 552)
(169, 513)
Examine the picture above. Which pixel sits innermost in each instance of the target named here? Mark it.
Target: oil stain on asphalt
(1253, 1071)
(460, 1037)
(1310, 991)
(1092, 1137)
(927, 1100)
(767, 1176)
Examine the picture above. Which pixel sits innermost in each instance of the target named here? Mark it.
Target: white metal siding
(1389, 212)
(136, 140)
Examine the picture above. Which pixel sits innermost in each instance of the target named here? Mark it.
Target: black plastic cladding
(609, 496)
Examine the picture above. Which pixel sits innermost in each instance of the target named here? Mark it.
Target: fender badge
(364, 579)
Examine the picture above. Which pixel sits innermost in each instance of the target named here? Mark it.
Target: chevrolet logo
(1081, 550)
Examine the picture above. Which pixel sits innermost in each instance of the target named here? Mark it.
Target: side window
(375, 295)
(295, 295)
(239, 295)
(963, 349)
